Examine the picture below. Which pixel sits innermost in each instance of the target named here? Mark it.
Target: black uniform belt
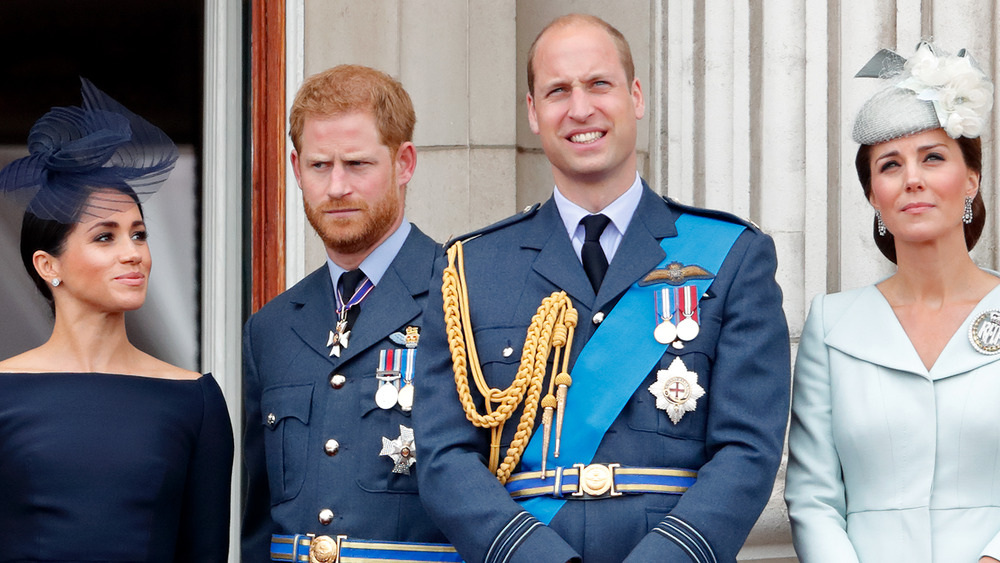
(599, 480)
(308, 548)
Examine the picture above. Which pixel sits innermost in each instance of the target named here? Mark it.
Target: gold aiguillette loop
(528, 382)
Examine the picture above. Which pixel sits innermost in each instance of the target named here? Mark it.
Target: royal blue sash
(603, 378)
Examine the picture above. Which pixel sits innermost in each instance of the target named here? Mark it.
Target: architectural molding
(222, 217)
(267, 138)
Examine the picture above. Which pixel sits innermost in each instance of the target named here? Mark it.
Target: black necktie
(349, 282)
(595, 263)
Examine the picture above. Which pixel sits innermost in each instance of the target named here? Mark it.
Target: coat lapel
(639, 251)
(313, 311)
(959, 355)
(556, 260)
(390, 305)
(867, 329)
(637, 254)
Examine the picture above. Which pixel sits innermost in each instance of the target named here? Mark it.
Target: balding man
(626, 357)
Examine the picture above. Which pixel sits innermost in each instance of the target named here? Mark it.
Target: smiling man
(328, 365)
(629, 354)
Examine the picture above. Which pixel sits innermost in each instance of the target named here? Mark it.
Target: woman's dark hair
(972, 154)
(50, 236)
(46, 235)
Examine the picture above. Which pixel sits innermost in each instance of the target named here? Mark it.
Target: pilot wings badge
(676, 274)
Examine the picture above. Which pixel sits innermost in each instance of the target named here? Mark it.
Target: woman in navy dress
(106, 453)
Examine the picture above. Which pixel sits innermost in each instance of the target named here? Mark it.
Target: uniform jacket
(287, 373)
(734, 437)
(890, 461)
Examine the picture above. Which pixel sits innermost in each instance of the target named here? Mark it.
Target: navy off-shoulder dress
(104, 467)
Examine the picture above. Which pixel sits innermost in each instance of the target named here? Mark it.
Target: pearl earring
(56, 282)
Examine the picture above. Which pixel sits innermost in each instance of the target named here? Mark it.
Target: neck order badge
(340, 336)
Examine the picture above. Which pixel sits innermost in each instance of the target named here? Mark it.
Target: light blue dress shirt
(376, 263)
(620, 212)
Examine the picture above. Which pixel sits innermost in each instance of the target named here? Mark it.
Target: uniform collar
(376, 263)
(620, 210)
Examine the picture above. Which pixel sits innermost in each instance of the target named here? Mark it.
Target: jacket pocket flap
(287, 401)
(501, 345)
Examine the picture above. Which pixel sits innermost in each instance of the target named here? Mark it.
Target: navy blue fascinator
(79, 152)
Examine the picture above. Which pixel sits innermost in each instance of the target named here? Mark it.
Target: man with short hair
(328, 364)
(647, 336)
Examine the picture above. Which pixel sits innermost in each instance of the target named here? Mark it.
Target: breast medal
(388, 375)
(678, 304)
(665, 331)
(676, 390)
(405, 397)
(395, 378)
(687, 311)
(402, 451)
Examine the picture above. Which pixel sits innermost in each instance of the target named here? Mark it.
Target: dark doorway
(148, 55)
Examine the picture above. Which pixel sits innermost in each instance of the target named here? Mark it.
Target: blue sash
(609, 378)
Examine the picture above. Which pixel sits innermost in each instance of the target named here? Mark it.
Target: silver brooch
(984, 332)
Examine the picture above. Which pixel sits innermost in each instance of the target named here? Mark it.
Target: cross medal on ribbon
(341, 334)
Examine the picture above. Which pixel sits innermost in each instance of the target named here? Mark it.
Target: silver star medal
(338, 338)
(402, 451)
(676, 390)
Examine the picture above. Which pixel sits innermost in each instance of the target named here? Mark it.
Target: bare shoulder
(154, 367)
(26, 362)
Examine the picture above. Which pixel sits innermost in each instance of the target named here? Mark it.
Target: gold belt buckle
(324, 549)
(596, 480)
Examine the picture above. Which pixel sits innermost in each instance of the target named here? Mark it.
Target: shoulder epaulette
(525, 213)
(711, 213)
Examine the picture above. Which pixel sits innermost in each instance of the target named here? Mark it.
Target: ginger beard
(351, 235)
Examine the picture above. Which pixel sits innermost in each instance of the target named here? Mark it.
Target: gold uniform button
(331, 447)
(325, 516)
(271, 419)
(337, 381)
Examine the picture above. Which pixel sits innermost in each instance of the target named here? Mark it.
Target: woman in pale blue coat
(895, 434)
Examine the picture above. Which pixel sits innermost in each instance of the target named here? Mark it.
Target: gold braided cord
(552, 324)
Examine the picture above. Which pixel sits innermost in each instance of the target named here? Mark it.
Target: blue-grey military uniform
(313, 432)
(733, 439)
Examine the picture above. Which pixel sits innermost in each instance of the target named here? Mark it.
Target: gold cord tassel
(563, 381)
(548, 404)
(553, 322)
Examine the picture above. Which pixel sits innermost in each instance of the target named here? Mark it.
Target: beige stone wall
(749, 109)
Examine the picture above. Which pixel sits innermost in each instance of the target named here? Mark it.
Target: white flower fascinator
(932, 89)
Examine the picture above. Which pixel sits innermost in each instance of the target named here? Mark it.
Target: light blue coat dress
(890, 461)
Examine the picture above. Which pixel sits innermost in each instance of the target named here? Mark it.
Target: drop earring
(878, 221)
(967, 215)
